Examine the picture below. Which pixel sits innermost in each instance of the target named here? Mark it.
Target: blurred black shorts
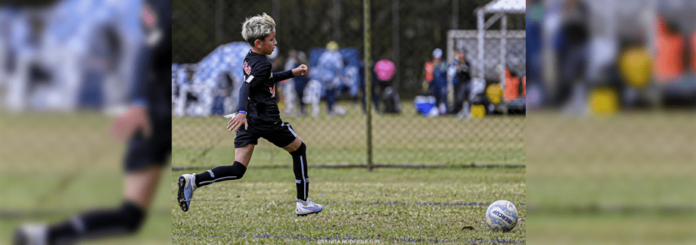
(145, 152)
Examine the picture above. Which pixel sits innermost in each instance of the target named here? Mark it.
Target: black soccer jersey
(152, 82)
(261, 105)
(152, 87)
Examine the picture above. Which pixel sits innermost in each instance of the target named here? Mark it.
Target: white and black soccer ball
(501, 216)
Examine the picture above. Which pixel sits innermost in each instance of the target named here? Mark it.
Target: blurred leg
(139, 187)
(330, 99)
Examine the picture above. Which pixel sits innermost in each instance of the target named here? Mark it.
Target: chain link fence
(427, 111)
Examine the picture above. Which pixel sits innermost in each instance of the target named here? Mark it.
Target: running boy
(258, 117)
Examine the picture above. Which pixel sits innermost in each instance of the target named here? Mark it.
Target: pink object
(385, 69)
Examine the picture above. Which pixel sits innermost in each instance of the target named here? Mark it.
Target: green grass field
(56, 166)
(385, 206)
(407, 138)
(626, 179)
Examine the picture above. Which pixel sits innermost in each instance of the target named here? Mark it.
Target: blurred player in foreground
(147, 126)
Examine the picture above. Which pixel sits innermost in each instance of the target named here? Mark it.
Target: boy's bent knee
(300, 150)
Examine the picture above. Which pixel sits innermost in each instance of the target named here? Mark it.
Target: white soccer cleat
(31, 235)
(187, 184)
(307, 207)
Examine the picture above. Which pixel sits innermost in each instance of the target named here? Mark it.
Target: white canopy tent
(500, 9)
(506, 6)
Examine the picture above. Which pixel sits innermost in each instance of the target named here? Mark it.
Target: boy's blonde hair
(257, 27)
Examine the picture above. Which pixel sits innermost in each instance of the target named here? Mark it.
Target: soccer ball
(501, 216)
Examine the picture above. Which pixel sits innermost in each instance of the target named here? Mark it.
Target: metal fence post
(368, 85)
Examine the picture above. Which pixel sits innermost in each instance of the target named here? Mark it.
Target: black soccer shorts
(280, 134)
(145, 152)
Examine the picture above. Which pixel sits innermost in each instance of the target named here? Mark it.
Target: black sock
(299, 166)
(221, 173)
(98, 223)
